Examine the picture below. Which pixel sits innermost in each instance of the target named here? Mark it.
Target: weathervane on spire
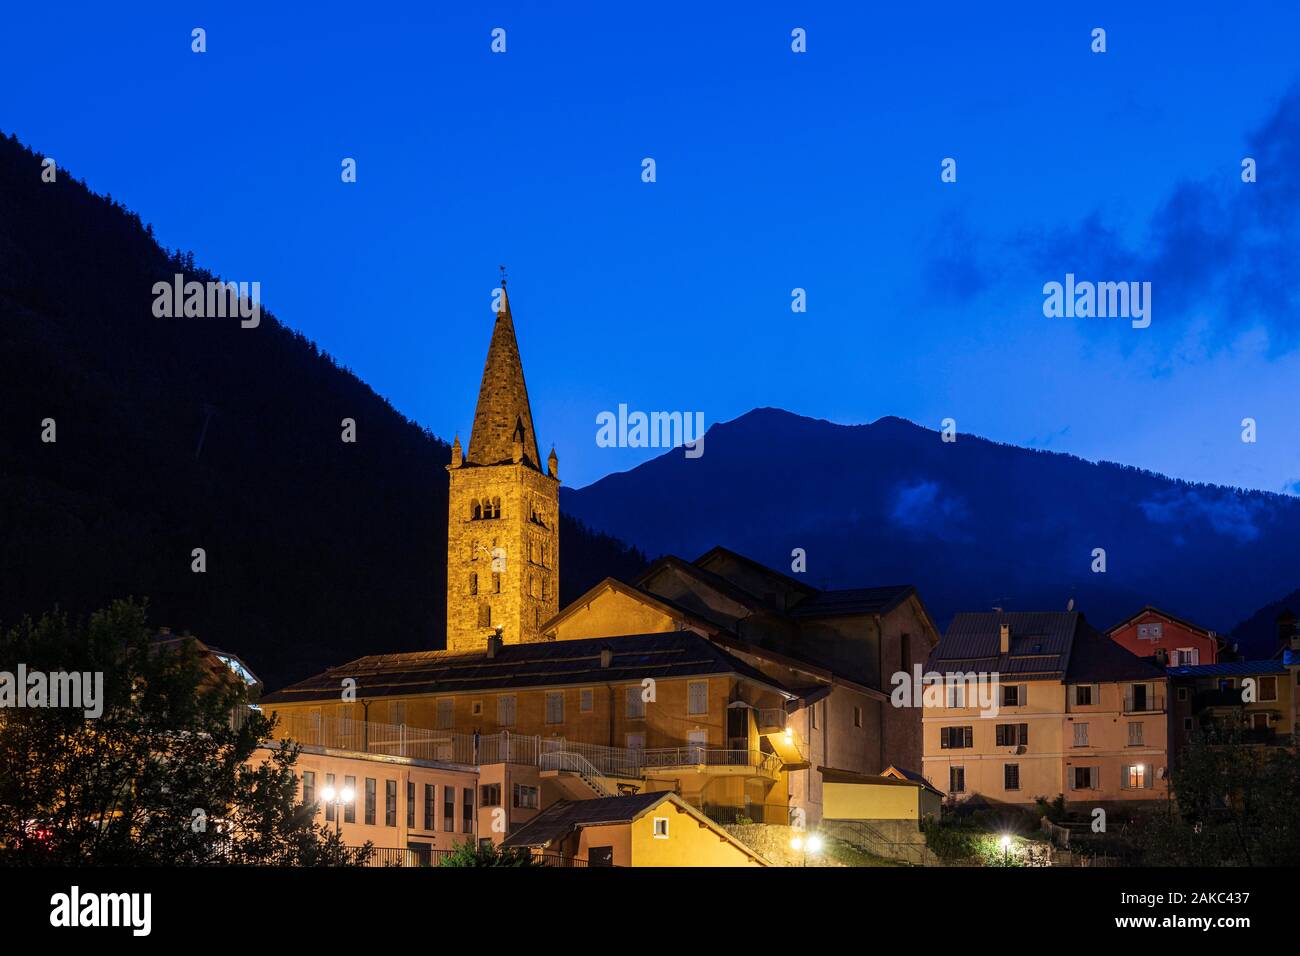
(503, 277)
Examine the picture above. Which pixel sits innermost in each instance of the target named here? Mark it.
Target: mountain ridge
(176, 434)
(1009, 526)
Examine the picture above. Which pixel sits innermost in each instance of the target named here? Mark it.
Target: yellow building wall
(883, 801)
(665, 722)
(612, 614)
(687, 844)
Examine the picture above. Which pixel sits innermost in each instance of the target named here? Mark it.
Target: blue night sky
(775, 171)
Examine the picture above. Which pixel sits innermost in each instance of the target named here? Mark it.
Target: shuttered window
(635, 705)
(956, 738)
(446, 715)
(956, 779)
(506, 710)
(697, 697)
(555, 707)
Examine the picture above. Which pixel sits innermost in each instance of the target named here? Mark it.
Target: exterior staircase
(565, 763)
(870, 840)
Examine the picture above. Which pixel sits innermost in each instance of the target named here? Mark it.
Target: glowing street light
(811, 844)
(338, 798)
(1006, 849)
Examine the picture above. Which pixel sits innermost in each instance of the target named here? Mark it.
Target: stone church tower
(503, 521)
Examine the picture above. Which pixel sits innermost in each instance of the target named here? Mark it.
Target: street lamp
(804, 846)
(338, 798)
(1006, 850)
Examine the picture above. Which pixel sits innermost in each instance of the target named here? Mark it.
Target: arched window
(485, 615)
(473, 582)
(496, 507)
(532, 585)
(475, 511)
(496, 582)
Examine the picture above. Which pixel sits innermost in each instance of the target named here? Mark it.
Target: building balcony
(770, 720)
(1146, 704)
(748, 763)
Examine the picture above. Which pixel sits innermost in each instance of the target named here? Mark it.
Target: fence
(401, 740)
(398, 858)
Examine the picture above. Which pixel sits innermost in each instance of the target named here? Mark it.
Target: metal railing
(575, 763)
(598, 760)
(738, 815)
(1151, 704)
(766, 764)
(865, 837)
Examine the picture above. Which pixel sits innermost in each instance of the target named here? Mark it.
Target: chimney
(494, 644)
(606, 657)
(1004, 639)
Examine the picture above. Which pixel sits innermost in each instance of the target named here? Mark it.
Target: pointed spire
(503, 413)
(552, 464)
(456, 457)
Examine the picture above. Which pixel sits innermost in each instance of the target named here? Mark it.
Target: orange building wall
(1173, 637)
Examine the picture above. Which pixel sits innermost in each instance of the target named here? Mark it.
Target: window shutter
(1022, 694)
(1123, 779)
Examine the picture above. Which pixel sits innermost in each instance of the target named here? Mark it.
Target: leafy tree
(468, 854)
(1232, 804)
(170, 771)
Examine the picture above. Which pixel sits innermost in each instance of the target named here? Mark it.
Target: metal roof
(550, 663)
(1228, 669)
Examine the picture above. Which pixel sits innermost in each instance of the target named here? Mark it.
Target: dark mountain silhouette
(175, 434)
(974, 524)
(1257, 636)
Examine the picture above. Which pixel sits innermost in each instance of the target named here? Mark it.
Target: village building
(736, 688)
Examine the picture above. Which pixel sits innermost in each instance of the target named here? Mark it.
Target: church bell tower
(503, 521)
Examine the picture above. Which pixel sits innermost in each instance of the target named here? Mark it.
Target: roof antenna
(503, 276)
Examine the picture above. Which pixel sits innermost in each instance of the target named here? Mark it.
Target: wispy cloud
(1217, 250)
(1232, 515)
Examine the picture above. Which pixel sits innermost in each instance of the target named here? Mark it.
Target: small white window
(661, 828)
